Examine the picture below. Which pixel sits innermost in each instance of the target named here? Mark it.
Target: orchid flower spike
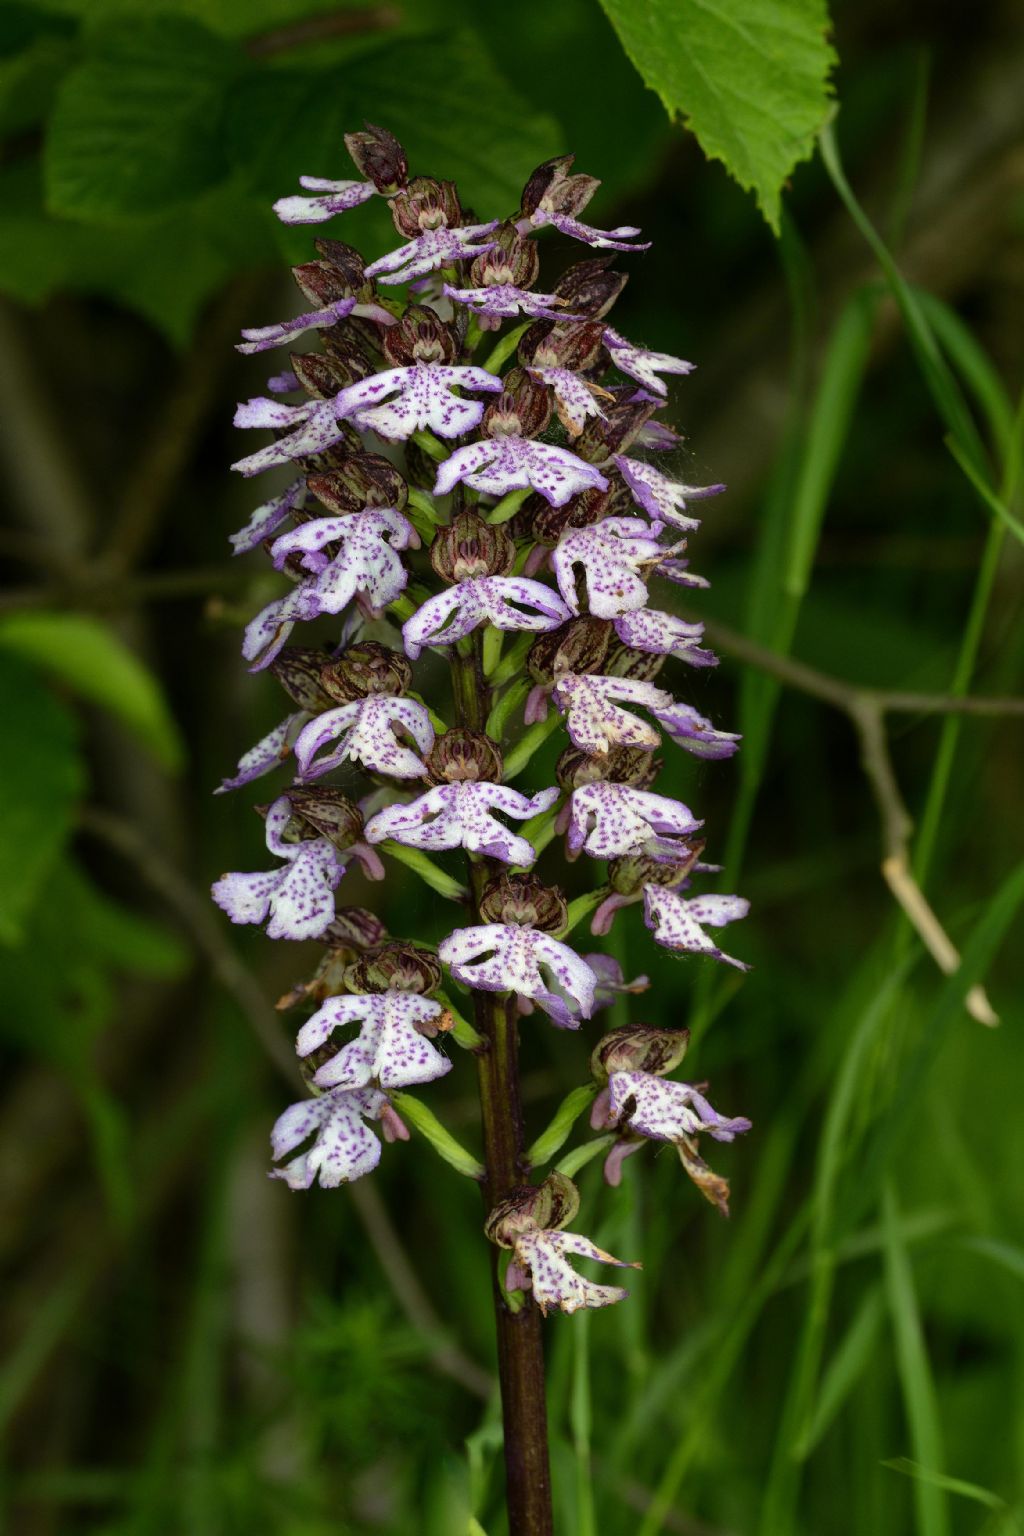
(490, 505)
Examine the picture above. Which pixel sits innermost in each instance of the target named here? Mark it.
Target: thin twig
(866, 708)
(199, 919)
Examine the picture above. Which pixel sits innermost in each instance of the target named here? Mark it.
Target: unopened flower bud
(639, 1048)
(589, 288)
(347, 262)
(321, 282)
(629, 875)
(330, 813)
(512, 261)
(626, 661)
(297, 668)
(525, 901)
(355, 927)
(394, 967)
(615, 430)
(583, 511)
(469, 548)
(426, 204)
(523, 409)
(533, 1208)
(318, 376)
(461, 754)
(558, 344)
(622, 765)
(354, 355)
(552, 188)
(580, 645)
(379, 156)
(366, 668)
(421, 336)
(364, 480)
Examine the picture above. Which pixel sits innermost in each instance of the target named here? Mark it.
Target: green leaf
(443, 1142)
(91, 659)
(41, 779)
(164, 267)
(749, 77)
(36, 49)
(136, 126)
(480, 132)
(554, 1137)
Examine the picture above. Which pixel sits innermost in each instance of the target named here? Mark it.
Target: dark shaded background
(186, 1347)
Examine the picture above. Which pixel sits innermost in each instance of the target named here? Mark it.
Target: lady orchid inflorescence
(469, 486)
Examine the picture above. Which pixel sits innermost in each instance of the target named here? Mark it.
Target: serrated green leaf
(749, 77)
(41, 778)
(136, 125)
(90, 658)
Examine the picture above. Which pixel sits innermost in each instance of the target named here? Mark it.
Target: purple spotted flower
(261, 338)
(662, 1109)
(332, 197)
(609, 821)
(497, 465)
(540, 1263)
(664, 634)
(613, 556)
(344, 1148)
(367, 561)
(621, 239)
(504, 301)
(596, 721)
(423, 400)
(642, 365)
(315, 428)
(462, 816)
(676, 921)
(577, 398)
(503, 957)
(663, 500)
(507, 602)
(269, 752)
(392, 1049)
(296, 901)
(367, 732)
(432, 249)
(268, 518)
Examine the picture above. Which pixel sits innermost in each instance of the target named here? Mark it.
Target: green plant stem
(520, 1341)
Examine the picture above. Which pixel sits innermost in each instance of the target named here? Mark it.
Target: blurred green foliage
(188, 1348)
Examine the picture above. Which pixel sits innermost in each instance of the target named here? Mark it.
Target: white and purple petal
(665, 1110)
(664, 634)
(507, 602)
(553, 1281)
(498, 465)
(344, 1148)
(663, 499)
(611, 821)
(335, 197)
(365, 733)
(262, 337)
(432, 249)
(640, 364)
(675, 921)
(614, 555)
